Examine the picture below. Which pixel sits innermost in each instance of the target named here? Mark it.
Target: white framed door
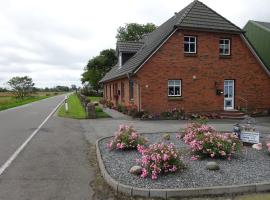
(228, 94)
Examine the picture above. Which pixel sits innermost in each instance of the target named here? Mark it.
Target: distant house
(258, 34)
(197, 61)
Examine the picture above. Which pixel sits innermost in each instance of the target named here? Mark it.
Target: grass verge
(100, 113)
(75, 108)
(11, 102)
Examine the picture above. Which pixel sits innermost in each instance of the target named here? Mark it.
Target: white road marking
(18, 151)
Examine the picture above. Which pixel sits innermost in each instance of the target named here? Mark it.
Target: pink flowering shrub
(205, 141)
(126, 138)
(159, 158)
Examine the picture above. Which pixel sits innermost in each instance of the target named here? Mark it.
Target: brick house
(197, 60)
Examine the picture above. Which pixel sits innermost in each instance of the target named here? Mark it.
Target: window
(174, 88)
(110, 91)
(224, 47)
(190, 44)
(131, 89)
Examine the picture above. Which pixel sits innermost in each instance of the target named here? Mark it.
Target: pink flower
(257, 146)
(178, 136)
(122, 145)
(165, 157)
(194, 158)
(144, 173)
(223, 153)
(134, 135)
(212, 155)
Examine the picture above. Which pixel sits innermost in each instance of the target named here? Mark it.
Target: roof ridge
(129, 42)
(183, 16)
(258, 23)
(221, 16)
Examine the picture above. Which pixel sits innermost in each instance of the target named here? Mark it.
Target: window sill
(225, 56)
(172, 98)
(190, 54)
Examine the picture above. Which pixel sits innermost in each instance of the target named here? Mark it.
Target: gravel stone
(248, 167)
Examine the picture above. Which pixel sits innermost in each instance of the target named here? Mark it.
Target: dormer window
(190, 44)
(120, 60)
(224, 47)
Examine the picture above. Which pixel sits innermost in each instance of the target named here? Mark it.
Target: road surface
(53, 165)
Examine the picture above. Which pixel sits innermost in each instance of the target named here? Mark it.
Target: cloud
(51, 41)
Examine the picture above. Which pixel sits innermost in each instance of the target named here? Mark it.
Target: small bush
(126, 138)
(102, 101)
(119, 107)
(205, 141)
(109, 104)
(159, 158)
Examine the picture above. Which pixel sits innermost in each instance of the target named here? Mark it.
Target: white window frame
(174, 85)
(223, 46)
(189, 43)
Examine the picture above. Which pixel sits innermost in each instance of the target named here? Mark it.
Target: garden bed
(249, 167)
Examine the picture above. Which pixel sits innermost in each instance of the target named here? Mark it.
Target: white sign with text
(250, 137)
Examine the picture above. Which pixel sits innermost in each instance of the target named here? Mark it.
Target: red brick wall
(169, 62)
(123, 98)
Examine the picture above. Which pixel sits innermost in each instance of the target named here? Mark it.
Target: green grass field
(75, 108)
(8, 100)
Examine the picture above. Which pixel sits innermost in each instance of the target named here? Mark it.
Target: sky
(52, 40)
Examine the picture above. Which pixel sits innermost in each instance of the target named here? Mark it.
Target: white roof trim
(255, 54)
(154, 52)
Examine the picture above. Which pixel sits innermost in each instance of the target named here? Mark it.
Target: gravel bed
(250, 166)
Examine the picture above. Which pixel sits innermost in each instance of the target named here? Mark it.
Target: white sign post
(66, 104)
(250, 137)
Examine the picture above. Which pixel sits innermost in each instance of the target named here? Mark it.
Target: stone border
(181, 192)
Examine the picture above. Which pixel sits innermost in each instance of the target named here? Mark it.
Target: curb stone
(181, 192)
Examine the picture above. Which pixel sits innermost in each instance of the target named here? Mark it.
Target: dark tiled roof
(264, 24)
(130, 47)
(196, 15)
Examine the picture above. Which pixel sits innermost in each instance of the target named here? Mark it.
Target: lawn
(75, 108)
(100, 113)
(93, 99)
(8, 100)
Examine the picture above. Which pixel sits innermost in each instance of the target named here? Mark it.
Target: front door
(228, 94)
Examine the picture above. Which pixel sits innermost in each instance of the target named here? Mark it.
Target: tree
(3, 89)
(97, 67)
(134, 31)
(22, 86)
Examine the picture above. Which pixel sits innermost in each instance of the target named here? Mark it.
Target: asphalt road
(54, 164)
(17, 124)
